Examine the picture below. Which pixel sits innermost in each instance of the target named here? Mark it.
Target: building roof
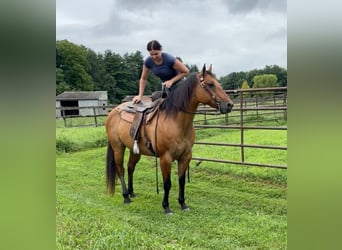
(82, 95)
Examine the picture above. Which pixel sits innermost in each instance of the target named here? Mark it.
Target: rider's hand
(168, 83)
(136, 99)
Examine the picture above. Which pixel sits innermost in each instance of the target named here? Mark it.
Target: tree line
(81, 69)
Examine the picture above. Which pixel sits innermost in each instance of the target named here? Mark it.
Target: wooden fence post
(95, 117)
(64, 118)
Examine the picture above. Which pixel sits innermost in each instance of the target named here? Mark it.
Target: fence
(95, 114)
(250, 106)
(267, 104)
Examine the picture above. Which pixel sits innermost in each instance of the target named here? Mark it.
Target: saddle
(136, 114)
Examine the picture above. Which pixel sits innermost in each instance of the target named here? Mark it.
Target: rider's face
(156, 55)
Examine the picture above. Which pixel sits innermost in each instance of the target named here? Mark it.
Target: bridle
(205, 86)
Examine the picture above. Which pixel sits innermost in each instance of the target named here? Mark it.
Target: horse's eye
(211, 85)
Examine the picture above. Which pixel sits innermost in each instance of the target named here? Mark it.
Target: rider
(167, 67)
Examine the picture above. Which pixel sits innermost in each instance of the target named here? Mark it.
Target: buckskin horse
(168, 134)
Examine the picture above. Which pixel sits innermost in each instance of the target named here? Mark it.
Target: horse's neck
(185, 121)
(193, 105)
(187, 117)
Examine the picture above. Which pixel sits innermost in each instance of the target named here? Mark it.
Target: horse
(170, 133)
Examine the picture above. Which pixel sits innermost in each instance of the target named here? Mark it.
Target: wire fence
(253, 108)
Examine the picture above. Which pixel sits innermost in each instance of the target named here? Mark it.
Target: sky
(232, 35)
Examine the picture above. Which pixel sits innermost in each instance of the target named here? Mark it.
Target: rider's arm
(142, 84)
(183, 71)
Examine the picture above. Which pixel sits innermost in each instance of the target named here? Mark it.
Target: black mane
(179, 98)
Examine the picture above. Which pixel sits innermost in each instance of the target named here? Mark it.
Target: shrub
(64, 145)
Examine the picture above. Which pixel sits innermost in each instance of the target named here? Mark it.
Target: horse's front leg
(165, 165)
(121, 174)
(133, 160)
(183, 165)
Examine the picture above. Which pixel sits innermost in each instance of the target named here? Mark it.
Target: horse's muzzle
(225, 107)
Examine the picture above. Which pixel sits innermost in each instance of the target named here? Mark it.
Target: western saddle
(136, 114)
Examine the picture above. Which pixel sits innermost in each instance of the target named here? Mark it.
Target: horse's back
(113, 114)
(114, 120)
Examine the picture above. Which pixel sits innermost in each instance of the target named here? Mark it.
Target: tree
(265, 81)
(97, 71)
(133, 65)
(245, 86)
(250, 75)
(74, 66)
(281, 74)
(113, 64)
(233, 80)
(192, 68)
(79, 68)
(61, 86)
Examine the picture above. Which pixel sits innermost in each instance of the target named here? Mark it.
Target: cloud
(233, 35)
(247, 6)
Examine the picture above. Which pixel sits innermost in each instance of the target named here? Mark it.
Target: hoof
(167, 211)
(132, 195)
(127, 201)
(186, 209)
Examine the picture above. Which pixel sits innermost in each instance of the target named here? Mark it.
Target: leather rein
(205, 86)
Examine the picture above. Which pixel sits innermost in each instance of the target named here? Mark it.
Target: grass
(79, 138)
(231, 207)
(227, 212)
(80, 122)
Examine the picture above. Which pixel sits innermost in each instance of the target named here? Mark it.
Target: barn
(81, 99)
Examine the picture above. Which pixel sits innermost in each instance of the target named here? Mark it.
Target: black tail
(110, 170)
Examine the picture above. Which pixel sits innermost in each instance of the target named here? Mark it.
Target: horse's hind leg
(121, 174)
(133, 160)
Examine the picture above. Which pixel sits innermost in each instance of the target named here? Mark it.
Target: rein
(156, 151)
(203, 84)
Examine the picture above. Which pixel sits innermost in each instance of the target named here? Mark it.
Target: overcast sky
(233, 35)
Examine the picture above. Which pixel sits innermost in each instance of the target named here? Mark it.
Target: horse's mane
(179, 99)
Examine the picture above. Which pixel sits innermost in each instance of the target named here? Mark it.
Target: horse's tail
(110, 170)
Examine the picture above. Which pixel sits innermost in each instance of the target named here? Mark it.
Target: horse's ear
(210, 68)
(203, 70)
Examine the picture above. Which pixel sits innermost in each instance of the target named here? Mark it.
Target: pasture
(231, 207)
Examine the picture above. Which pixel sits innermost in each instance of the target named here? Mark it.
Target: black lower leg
(130, 183)
(124, 190)
(167, 187)
(181, 198)
(126, 198)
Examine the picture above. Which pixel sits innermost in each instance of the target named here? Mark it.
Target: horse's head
(210, 92)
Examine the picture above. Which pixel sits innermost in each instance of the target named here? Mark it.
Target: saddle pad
(127, 116)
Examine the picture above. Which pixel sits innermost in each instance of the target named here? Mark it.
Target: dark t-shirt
(165, 71)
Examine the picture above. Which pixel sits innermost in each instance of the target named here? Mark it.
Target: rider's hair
(153, 45)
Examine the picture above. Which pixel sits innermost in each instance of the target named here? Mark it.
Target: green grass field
(231, 207)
